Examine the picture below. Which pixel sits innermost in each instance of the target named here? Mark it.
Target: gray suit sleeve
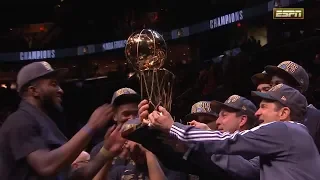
(233, 164)
(250, 143)
(238, 166)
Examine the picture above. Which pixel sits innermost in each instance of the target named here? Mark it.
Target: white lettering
(107, 46)
(226, 19)
(34, 55)
(119, 44)
(114, 45)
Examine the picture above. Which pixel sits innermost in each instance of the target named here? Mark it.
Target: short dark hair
(294, 115)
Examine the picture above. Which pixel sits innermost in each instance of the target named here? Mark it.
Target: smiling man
(294, 75)
(31, 145)
(280, 141)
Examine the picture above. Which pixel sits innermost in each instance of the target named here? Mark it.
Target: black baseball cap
(200, 108)
(125, 95)
(236, 102)
(291, 70)
(259, 78)
(36, 70)
(287, 96)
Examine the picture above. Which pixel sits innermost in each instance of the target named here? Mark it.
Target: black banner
(174, 34)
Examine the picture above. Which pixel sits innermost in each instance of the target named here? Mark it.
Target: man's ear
(243, 120)
(285, 113)
(33, 91)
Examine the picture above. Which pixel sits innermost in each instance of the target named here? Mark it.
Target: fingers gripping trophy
(146, 51)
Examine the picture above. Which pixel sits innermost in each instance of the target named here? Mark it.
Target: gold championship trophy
(146, 51)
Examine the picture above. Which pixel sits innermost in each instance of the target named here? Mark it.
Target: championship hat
(36, 70)
(286, 96)
(292, 71)
(200, 108)
(237, 103)
(259, 78)
(125, 95)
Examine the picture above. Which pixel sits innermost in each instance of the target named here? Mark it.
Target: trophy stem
(156, 87)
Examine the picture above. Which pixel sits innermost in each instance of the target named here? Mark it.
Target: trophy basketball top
(146, 50)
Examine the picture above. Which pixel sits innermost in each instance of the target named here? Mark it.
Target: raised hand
(199, 125)
(161, 119)
(113, 142)
(101, 116)
(137, 152)
(143, 111)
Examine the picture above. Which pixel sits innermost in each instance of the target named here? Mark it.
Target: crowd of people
(235, 139)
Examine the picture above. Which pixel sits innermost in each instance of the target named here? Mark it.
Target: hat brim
(126, 98)
(130, 124)
(263, 95)
(192, 116)
(260, 78)
(57, 73)
(216, 106)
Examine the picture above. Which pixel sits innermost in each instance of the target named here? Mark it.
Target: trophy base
(148, 138)
(142, 134)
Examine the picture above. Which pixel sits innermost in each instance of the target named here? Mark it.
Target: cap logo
(233, 99)
(201, 106)
(289, 66)
(244, 108)
(46, 65)
(276, 88)
(124, 91)
(283, 98)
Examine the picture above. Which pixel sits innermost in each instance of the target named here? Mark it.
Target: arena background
(210, 61)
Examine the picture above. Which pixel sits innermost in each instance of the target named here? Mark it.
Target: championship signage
(226, 19)
(34, 55)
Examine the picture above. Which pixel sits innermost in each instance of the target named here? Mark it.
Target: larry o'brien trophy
(146, 51)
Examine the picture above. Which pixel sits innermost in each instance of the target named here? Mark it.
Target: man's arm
(154, 170)
(265, 139)
(113, 144)
(238, 166)
(103, 173)
(233, 164)
(93, 167)
(26, 142)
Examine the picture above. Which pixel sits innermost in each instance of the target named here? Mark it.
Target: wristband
(87, 129)
(105, 152)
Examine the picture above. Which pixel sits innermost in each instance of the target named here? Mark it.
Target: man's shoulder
(278, 128)
(18, 119)
(312, 118)
(311, 110)
(270, 125)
